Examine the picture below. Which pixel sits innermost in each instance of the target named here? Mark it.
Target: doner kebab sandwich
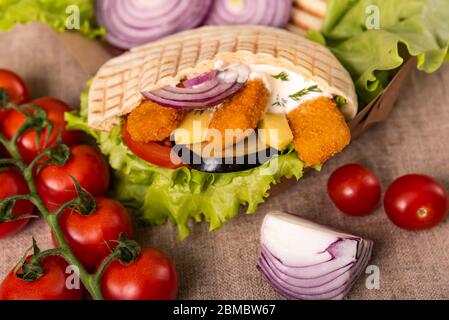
(198, 124)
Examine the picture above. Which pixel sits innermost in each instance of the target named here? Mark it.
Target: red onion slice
(212, 89)
(303, 260)
(274, 13)
(195, 105)
(135, 22)
(200, 79)
(192, 95)
(202, 88)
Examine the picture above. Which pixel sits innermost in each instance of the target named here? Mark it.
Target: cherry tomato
(50, 286)
(91, 237)
(416, 202)
(151, 277)
(354, 190)
(27, 145)
(86, 165)
(14, 85)
(12, 183)
(17, 92)
(152, 152)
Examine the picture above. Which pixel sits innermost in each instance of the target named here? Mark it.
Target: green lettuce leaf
(158, 194)
(418, 28)
(51, 12)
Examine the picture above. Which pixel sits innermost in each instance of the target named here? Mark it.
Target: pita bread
(116, 88)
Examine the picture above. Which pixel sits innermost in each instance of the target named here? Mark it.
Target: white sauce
(281, 90)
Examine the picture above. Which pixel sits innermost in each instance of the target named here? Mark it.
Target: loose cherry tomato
(14, 86)
(152, 152)
(27, 145)
(91, 237)
(11, 184)
(416, 202)
(354, 190)
(50, 286)
(86, 165)
(151, 277)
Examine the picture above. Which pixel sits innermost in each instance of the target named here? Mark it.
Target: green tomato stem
(90, 282)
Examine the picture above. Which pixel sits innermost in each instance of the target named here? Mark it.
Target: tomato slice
(152, 152)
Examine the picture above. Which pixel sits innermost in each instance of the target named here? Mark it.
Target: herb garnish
(296, 96)
(340, 101)
(283, 76)
(280, 102)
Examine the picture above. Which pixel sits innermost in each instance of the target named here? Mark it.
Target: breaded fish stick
(243, 111)
(152, 122)
(319, 130)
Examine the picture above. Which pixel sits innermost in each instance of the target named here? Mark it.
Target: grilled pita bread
(116, 88)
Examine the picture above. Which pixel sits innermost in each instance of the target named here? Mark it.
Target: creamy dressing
(284, 85)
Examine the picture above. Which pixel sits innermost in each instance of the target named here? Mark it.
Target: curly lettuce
(418, 28)
(51, 12)
(159, 194)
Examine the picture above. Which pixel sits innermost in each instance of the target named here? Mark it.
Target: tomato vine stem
(91, 282)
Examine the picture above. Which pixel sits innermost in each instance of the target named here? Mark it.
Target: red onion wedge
(130, 23)
(274, 13)
(303, 260)
(203, 92)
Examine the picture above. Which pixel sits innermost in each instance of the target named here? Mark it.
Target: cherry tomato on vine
(14, 86)
(151, 276)
(86, 165)
(17, 92)
(354, 189)
(415, 202)
(27, 143)
(91, 237)
(52, 285)
(3, 152)
(12, 183)
(152, 152)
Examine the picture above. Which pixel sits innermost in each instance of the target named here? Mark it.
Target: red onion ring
(202, 88)
(198, 102)
(192, 95)
(131, 23)
(274, 13)
(200, 79)
(202, 92)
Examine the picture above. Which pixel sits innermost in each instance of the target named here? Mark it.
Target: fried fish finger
(152, 122)
(241, 112)
(319, 129)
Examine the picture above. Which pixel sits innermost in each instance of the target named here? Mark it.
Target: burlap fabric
(221, 265)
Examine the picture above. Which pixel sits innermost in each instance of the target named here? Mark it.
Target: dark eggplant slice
(247, 154)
